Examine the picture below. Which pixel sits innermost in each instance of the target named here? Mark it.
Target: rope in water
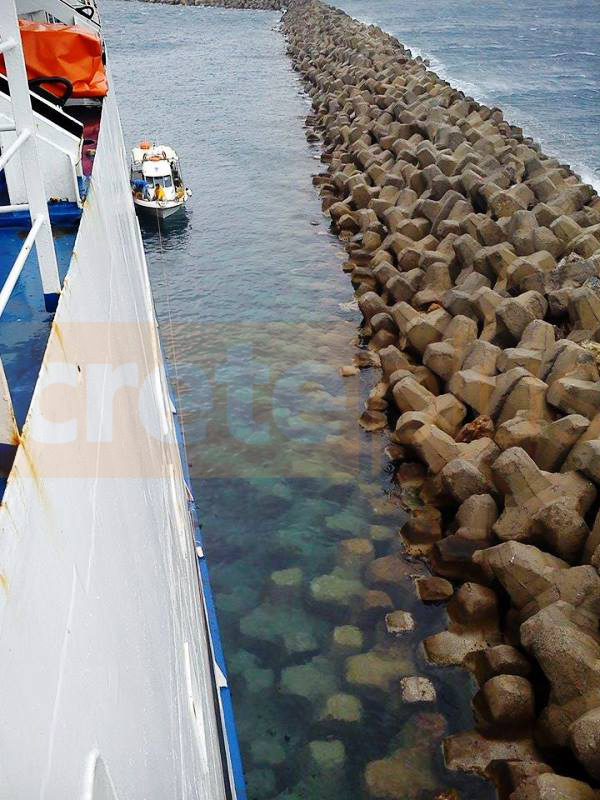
(172, 355)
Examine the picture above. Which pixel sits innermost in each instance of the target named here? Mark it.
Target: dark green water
(254, 316)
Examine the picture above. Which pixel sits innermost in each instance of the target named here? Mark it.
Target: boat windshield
(159, 180)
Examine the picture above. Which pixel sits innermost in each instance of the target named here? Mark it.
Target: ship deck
(25, 324)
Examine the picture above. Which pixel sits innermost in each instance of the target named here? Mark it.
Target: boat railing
(24, 146)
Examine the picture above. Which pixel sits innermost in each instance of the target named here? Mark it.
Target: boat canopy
(156, 168)
(72, 52)
(153, 153)
(153, 161)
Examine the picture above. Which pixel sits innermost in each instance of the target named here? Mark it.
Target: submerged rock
(354, 554)
(381, 533)
(346, 640)
(377, 671)
(336, 592)
(267, 752)
(346, 521)
(231, 605)
(246, 667)
(285, 584)
(402, 776)
(389, 573)
(326, 757)
(341, 711)
(373, 605)
(310, 682)
(424, 729)
(299, 643)
(278, 626)
(260, 782)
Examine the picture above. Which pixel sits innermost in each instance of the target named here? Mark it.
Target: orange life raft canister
(65, 51)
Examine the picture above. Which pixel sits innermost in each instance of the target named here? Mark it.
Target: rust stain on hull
(59, 336)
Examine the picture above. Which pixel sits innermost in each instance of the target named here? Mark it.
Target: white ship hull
(111, 687)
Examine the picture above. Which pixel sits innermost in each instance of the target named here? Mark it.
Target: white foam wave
(530, 126)
(574, 53)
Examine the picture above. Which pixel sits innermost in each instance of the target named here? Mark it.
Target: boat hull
(157, 208)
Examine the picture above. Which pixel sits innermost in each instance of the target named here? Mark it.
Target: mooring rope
(172, 348)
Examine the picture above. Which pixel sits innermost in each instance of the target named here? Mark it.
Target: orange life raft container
(64, 51)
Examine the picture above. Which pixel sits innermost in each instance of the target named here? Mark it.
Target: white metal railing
(12, 149)
(14, 207)
(17, 267)
(88, 5)
(40, 234)
(71, 166)
(7, 44)
(25, 143)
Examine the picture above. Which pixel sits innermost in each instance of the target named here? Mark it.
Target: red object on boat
(63, 51)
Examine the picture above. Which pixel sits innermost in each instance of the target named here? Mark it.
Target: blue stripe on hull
(233, 746)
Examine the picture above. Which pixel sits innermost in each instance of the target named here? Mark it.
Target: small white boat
(156, 182)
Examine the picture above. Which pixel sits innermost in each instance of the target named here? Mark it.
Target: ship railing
(55, 135)
(80, 13)
(86, 9)
(25, 146)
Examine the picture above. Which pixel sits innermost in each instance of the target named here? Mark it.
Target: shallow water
(252, 305)
(538, 61)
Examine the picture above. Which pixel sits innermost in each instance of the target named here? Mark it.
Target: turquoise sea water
(256, 317)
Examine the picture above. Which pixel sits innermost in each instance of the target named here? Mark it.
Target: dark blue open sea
(256, 317)
(538, 60)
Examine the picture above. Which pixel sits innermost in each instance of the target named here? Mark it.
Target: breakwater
(476, 261)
